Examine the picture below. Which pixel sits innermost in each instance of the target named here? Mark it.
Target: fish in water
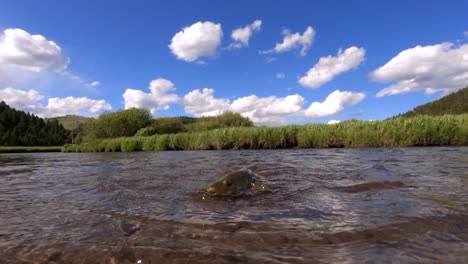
(237, 183)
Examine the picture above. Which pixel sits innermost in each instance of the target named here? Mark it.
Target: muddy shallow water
(325, 206)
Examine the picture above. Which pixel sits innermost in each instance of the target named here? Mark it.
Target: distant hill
(454, 103)
(186, 119)
(71, 122)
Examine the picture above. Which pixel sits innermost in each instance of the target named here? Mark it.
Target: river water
(403, 205)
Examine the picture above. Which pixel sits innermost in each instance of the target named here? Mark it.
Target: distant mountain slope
(454, 103)
(71, 122)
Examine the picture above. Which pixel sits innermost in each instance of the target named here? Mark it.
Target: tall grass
(23, 149)
(449, 130)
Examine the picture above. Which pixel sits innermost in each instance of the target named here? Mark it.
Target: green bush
(168, 125)
(146, 131)
(123, 123)
(227, 119)
(164, 125)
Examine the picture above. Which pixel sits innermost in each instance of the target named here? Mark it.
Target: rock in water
(237, 183)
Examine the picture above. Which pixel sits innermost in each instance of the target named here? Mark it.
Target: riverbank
(21, 149)
(449, 130)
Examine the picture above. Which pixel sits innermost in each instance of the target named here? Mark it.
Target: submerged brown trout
(237, 183)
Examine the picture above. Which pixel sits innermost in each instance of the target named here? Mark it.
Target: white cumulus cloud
(201, 39)
(333, 122)
(31, 101)
(93, 84)
(158, 98)
(203, 103)
(433, 68)
(74, 105)
(329, 67)
(19, 49)
(24, 100)
(333, 104)
(280, 75)
(241, 36)
(259, 109)
(25, 59)
(292, 41)
(269, 109)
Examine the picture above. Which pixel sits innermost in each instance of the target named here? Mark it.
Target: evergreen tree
(18, 128)
(454, 103)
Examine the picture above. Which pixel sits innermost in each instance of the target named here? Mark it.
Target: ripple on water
(346, 205)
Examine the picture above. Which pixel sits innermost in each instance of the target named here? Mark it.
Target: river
(403, 205)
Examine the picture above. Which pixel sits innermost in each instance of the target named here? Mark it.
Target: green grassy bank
(15, 149)
(449, 130)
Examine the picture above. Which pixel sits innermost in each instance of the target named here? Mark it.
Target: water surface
(325, 206)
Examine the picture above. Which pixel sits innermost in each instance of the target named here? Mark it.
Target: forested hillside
(71, 122)
(454, 103)
(18, 128)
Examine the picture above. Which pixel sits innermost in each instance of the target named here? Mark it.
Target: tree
(454, 103)
(124, 123)
(18, 128)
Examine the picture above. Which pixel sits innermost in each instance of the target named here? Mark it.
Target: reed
(449, 130)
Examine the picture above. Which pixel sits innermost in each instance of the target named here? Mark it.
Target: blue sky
(366, 59)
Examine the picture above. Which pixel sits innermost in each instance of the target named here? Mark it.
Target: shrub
(123, 123)
(227, 119)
